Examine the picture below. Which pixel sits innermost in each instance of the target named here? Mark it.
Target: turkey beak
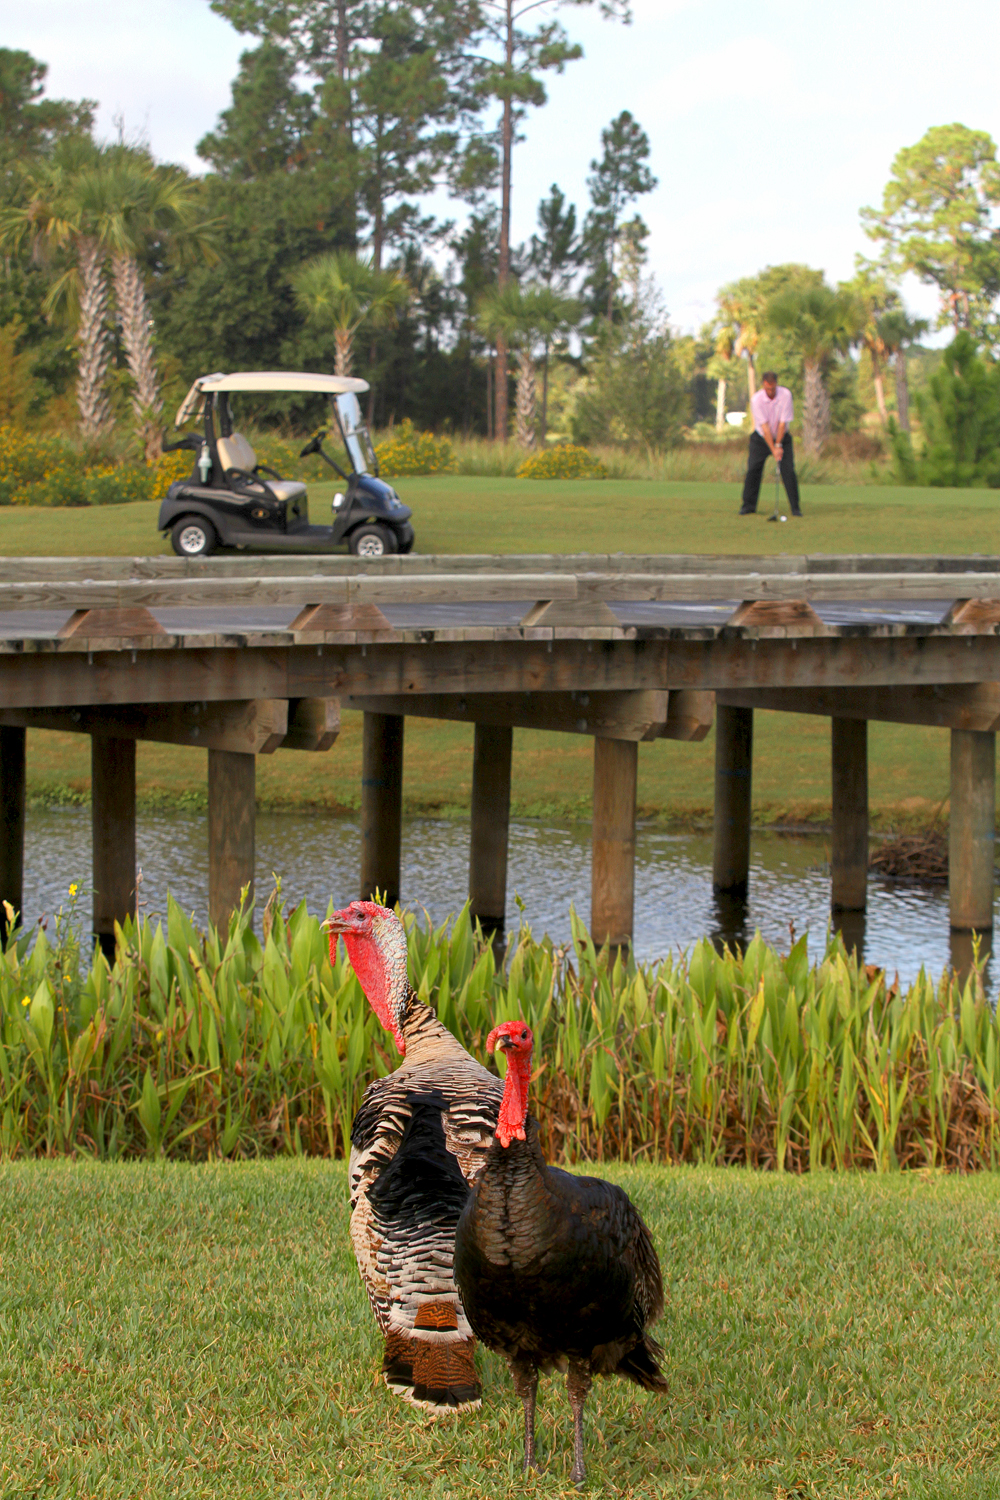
(505, 1043)
(344, 921)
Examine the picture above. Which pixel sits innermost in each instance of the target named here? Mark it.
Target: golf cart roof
(264, 380)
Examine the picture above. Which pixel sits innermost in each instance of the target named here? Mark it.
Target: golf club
(777, 492)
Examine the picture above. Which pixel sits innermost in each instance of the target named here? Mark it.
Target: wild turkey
(555, 1271)
(420, 1135)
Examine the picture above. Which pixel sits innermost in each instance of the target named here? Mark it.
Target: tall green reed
(201, 1045)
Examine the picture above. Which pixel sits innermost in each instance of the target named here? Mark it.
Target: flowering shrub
(409, 452)
(49, 471)
(565, 461)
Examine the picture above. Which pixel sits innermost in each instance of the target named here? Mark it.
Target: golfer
(772, 416)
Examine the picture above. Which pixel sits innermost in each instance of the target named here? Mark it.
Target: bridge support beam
(491, 763)
(971, 828)
(612, 882)
(12, 787)
(112, 810)
(733, 788)
(232, 786)
(849, 851)
(381, 805)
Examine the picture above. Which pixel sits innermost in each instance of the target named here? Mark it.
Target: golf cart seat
(236, 453)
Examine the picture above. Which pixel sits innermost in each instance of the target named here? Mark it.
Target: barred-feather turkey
(555, 1271)
(419, 1138)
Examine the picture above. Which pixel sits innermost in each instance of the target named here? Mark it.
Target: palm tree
(875, 298)
(341, 291)
(87, 203)
(55, 217)
(141, 203)
(523, 317)
(821, 323)
(897, 330)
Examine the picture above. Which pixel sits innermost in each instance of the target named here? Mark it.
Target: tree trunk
(503, 271)
(720, 406)
(343, 344)
(525, 399)
(489, 396)
(96, 418)
(816, 416)
(751, 377)
(545, 395)
(879, 381)
(902, 392)
(137, 336)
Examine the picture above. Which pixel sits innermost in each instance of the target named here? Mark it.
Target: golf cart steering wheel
(314, 444)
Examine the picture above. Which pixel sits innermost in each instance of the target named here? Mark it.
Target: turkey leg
(526, 1385)
(578, 1383)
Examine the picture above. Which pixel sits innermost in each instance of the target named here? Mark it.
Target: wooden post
(232, 784)
(491, 761)
(12, 779)
(733, 787)
(112, 811)
(970, 830)
(612, 881)
(849, 843)
(381, 805)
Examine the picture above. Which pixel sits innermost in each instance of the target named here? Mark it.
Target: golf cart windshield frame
(354, 433)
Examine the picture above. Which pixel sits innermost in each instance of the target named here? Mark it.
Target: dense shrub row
(403, 451)
(197, 1046)
(37, 469)
(564, 461)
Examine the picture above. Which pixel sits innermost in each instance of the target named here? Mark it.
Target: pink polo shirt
(772, 412)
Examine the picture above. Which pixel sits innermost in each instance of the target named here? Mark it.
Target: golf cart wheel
(193, 536)
(372, 541)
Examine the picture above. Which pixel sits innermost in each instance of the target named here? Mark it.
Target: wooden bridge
(246, 657)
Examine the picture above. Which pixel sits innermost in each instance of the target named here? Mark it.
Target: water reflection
(549, 869)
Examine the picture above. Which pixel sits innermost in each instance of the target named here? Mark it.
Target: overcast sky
(770, 126)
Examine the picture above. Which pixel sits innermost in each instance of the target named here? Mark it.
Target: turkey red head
(515, 1040)
(375, 940)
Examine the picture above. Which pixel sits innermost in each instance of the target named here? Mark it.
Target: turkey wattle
(419, 1137)
(555, 1271)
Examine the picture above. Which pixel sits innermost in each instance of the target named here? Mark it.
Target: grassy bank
(552, 773)
(184, 1331)
(457, 513)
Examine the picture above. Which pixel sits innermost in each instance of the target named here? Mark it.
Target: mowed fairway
(201, 1331)
(455, 514)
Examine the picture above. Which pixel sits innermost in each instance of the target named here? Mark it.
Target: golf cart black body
(230, 500)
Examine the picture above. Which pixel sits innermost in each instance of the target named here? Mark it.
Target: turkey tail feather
(641, 1365)
(439, 1377)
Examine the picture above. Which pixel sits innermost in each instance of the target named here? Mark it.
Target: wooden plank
(133, 622)
(254, 727)
(971, 825)
(12, 802)
(232, 781)
(112, 805)
(973, 705)
(324, 617)
(612, 878)
(570, 612)
(777, 615)
(689, 715)
(974, 613)
(607, 715)
(313, 724)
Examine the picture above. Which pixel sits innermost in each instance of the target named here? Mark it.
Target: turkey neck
(427, 1039)
(511, 1201)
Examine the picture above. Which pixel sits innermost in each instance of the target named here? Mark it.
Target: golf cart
(230, 500)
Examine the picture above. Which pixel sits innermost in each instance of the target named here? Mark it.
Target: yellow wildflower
(26, 1000)
(73, 888)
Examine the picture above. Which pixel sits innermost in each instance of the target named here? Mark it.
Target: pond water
(317, 856)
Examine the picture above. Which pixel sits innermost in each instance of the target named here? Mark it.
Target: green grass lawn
(453, 514)
(552, 773)
(178, 1331)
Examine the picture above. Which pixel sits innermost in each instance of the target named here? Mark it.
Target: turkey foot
(526, 1385)
(578, 1383)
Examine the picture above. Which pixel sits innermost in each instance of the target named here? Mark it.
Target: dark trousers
(758, 456)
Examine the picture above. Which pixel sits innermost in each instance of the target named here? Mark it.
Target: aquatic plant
(196, 1045)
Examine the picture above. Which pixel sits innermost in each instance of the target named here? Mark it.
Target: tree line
(305, 244)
